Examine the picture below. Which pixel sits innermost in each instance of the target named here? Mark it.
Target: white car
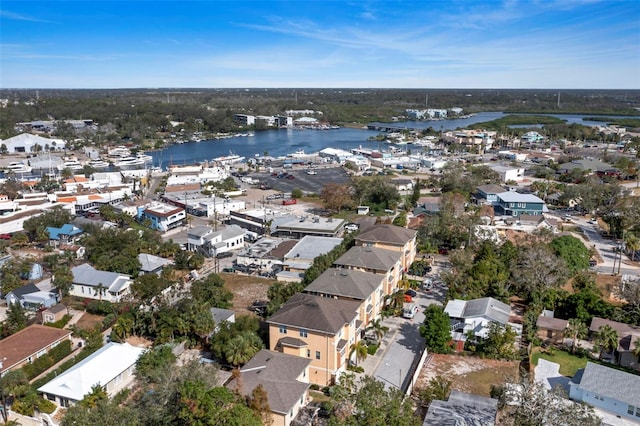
(312, 172)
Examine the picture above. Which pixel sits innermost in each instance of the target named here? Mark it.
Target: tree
(360, 350)
(632, 243)
(528, 403)
(62, 280)
(377, 328)
(606, 339)
(538, 269)
(155, 364)
(577, 330)
(438, 388)
(337, 196)
(436, 329)
(242, 348)
(259, 403)
(500, 342)
(368, 403)
(97, 394)
(296, 193)
(572, 251)
(16, 318)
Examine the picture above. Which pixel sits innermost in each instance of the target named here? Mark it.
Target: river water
(286, 141)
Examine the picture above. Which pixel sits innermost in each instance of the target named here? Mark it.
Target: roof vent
(343, 273)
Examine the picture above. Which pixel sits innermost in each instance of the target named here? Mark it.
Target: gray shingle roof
(369, 257)
(85, 274)
(611, 383)
(25, 289)
(488, 307)
(386, 234)
(149, 262)
(277, 373)
(346, 283)
(316, 313)
(516, 197)
(462, 409)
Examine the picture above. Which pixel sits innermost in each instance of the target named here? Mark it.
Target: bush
(372, 349)
(46, 361)
(100, 307)
(60, 323)
(314, 387)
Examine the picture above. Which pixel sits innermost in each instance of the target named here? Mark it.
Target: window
(283, 329)
(303, 332)
(308, 353)
(317, 354)
(631, 409)
(599, 398)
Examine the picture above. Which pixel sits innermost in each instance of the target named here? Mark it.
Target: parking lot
(308, 183)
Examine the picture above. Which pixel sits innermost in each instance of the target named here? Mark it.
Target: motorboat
(129, 162)
(18, 167)
(144, 157)
(229, 159)
(298, 153)
(71, 164)
(98, 164)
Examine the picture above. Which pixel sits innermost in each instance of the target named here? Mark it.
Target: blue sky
(360, 44)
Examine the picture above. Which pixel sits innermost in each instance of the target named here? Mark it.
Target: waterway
(286, 141)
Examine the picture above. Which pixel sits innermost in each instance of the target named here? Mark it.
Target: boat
(229, 159)
(119, 152)
(298, 153)
(18, 167)
(129, 161)
(144, 157)
(71, 164)
(98, 164)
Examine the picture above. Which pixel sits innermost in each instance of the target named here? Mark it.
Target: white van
(409, 310)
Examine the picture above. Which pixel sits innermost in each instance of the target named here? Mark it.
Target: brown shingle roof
(387, 234)
(316, 313)
(27, 342)
(550, 323)
(282, 249)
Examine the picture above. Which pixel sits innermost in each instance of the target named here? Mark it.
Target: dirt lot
(245, 290)
(89, 321)
(468, 374)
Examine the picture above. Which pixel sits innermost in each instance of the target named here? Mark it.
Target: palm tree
(607, 339)
(360, 349)
(96, 395)
(378, 329)
(100, 290)
(577, 330)
(242, 348)
(636, 348)
(632, 243)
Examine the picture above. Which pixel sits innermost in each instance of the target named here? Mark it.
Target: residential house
(285, 379)
(550, 329)
(462, 409)
(29, 344)
(512, 203)
(162, 217)
(30, 297)
(206, 241)
(220, 316)
(54, 313)
(66, 235)
(628, 335)
(101, 285)
(391, 237)
(607, 389)
(428, 206)
(474, 316)
(402, 184)
(588, 165)
(317, 328)
(150, 264)
(375, 260)
(112, 367)
(301, 256)
(366, 288)
(508, 174)
(487, 194)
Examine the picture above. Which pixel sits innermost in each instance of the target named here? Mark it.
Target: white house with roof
(204, 240)
(162, 217)
(101, 285)
(150, 264)
(474, 316)
(111, 367)
(607, 389)
(301, 256)
(507, 173)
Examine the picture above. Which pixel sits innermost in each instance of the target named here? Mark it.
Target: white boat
(119, 152)
(144, 157)
(129, 161)
(18, 167)
(98, 164)
(230, 159)
(298, 153)
(71, 164)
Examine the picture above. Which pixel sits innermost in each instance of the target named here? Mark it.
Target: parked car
(312, 172)
(5, 236)
(224, 254)
(411, 293)
(259, 306)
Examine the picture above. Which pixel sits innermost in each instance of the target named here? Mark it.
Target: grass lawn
(569, 364)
